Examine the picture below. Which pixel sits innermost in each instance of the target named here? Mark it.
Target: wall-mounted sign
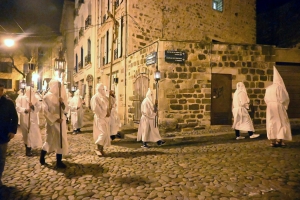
(151, 58)
(175, 56)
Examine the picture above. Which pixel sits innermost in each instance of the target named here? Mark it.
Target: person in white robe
(28, 107)
(100, 107)
(20, 93)
(241, 118)
(277, 121)
(54, 104)
(76, 109)
(148, 130)
(114, 118)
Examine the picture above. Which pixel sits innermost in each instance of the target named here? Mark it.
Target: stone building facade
(220, 51)
(185, 93)
(142, 23)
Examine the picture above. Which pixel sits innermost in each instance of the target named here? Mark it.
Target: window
(217, 5)
(7, 83)
(6, 67)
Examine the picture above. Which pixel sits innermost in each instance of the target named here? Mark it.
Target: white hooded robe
(277, 100)
(114, 118)
(76, 109)
(99, 105)
(32, 138)
(147, 131)
(52, 110)
(240, 103)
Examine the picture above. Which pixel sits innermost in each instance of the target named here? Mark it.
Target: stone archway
(89, 80)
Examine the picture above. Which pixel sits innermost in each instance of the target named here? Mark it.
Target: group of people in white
(57, 108)
(277, 122)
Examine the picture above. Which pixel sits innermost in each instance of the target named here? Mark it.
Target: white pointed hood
(277, 78)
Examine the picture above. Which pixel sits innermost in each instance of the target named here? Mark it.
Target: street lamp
(60, 64)
(156, 78)
(9, 42)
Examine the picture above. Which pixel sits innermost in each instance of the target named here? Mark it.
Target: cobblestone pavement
(203, 167)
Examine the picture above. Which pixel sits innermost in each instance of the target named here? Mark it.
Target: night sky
(31, 16)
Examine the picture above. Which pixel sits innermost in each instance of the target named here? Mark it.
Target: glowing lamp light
(9, 42)
(157, 75)
(23, 84)
(35, 77)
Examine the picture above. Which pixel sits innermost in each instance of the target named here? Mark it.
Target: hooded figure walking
(114, 118)
(148, 130)
(28, 106)
(76, 112)
(55, 102)
(100, 107)
(277, 121)
(242, 120)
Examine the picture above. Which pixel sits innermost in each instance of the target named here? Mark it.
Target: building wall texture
(191, 20)
(184, 93)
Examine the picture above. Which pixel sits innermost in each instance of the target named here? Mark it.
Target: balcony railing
(81, 32)
(88, 21)
(76, 13)
(75, 70)
(115, 54)
(80, 65)
(76, 41)
(103, 61)
(104, 18)
(117, 3)
(88, 59)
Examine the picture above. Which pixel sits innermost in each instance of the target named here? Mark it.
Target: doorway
(221, 99)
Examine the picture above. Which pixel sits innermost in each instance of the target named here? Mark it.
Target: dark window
(6, 82)
(6, 67)
(217, 5)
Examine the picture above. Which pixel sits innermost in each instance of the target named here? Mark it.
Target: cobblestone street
(204, 167)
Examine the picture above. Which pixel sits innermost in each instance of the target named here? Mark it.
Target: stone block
(168, 124)
(182, 101)
(194, 107)
(176, 107)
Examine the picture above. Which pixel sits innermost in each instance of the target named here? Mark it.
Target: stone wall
(185, 88)
(191, 20)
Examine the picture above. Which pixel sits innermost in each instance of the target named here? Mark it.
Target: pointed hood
(277, 78)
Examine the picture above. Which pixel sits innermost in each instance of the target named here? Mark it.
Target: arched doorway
(141, 86)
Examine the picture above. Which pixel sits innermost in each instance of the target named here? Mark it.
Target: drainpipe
(125, 64)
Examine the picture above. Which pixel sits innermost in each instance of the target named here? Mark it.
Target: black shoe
(78, 130)
(28, 151)
(61, 165)
(160, 142)
(42, 157)
(119, 135)
(145, 145)
(112, 137)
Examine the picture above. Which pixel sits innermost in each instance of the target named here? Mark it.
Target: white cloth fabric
(31, 138)
(240, 103)
(114, 118)
(52, 111)
(76, 110)
(277, 100)
(147, 132)
(99, 106)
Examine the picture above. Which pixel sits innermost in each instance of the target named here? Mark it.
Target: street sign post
(175, 56)
(151, 58)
